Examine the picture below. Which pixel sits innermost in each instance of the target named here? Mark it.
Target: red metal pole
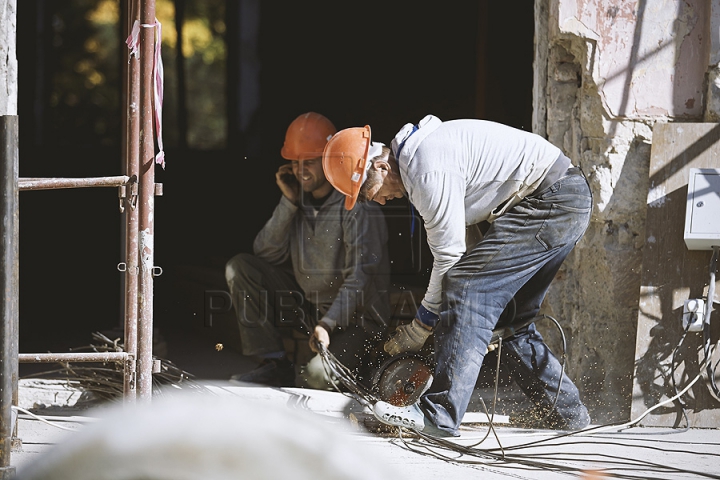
(131, 214)
(146, 202)
(56, 183)
(72, 357)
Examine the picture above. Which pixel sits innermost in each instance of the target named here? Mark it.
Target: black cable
(471, 448)
(439, 443)
(335, 369)
(426, 449)
(491, 417)
(706, 325)
(679, 401)
(625, 442)
(562, 365)
(531, 462)
(615, 465)
(714, 369)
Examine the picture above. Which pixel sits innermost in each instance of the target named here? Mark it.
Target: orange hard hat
(344, 160)
(306, 137)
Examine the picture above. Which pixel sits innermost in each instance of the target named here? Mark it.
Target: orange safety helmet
(306, 137)
(344, 160)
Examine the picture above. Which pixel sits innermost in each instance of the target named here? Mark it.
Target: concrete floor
(313, 434)
(641, 453)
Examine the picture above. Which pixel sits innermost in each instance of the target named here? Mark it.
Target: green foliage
(83, 61)
(83, 68)
(205, 54)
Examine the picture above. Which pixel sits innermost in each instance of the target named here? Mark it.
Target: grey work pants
(270, 307)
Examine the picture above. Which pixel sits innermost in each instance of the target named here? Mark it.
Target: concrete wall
(668, 359)
(8, 59)
(605, 72)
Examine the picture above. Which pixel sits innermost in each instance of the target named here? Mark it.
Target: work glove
(407, 338)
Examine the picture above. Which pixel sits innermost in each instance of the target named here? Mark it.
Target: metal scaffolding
(136, 192)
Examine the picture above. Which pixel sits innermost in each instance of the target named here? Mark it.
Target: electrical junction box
(702, 214)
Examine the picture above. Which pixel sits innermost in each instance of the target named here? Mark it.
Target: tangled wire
(105, 382)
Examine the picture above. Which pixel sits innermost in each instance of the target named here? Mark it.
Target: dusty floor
(66, 421)
(103, 438)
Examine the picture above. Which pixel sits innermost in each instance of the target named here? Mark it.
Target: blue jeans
(517, 258)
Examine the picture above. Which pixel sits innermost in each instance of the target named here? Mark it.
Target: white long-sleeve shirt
(462, 172)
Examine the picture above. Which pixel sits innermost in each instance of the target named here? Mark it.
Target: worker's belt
(558, 170)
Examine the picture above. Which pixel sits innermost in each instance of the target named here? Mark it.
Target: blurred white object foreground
(191, 435)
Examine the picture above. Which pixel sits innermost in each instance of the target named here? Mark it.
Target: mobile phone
(289, 179)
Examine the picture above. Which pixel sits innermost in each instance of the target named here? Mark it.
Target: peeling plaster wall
(8, 64)
(651, 55)
(712, 109)
(605, 72)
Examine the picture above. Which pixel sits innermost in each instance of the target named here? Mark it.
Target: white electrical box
(702, 214)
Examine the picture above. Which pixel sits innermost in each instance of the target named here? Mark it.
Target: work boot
(271, 372)
(410, 416)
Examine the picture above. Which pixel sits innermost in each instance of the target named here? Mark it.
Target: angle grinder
(401, 379)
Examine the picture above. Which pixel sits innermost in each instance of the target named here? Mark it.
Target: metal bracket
(132, 269)
(122, 191)
(131, 371)
(133, 192)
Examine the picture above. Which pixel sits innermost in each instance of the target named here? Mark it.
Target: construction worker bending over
(456, 174)
(317, 269)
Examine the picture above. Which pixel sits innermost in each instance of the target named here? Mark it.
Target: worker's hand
(407, 338)
(289, 186)
(320, 336)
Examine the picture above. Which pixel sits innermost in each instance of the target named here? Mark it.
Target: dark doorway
(384, 64)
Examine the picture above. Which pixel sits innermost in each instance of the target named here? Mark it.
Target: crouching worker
(318, 270)
(456, 174)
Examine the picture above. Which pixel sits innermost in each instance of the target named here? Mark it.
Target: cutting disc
(401, 380)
